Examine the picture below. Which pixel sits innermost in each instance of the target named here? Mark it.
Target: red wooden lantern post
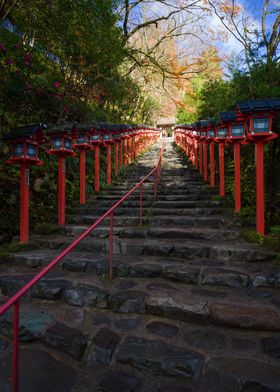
(117, 140)
(222, 134)
(196, 137)
(183, 139)
(140, 141)
(61, 146)
(185, 145)
(132, 141)
(125, 138)
(128, 147)
(108, 141)
(237, 134)
(96, 142)
(188, 144)
(210, 140)
(200, 156)
(193, 146)
(81, 134)
(122, 137)
(125, 150)
(260, 114)
(136, 142)
(196, 152)
(24, 152)
(146, 137)
(203, 136)
(184, 142)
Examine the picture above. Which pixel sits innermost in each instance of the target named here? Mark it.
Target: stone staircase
(192, 306)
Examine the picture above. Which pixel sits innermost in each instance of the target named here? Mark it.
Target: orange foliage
(229, 7)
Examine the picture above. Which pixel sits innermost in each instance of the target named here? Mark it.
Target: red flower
(56, 84)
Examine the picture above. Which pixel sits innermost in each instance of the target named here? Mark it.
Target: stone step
(150, 197)
(192, 203)
(126, 186)
(184, 212)
(127, 203)
(133, 209)
(162, 191)
(186, 191)
(166, 232)
(208, 221)
(200, 272)
(130, 211)
(118, 220)
(181, 303)
(195, 233)
(187, 204)
(119, 194)
(174, 248)
(164, 354)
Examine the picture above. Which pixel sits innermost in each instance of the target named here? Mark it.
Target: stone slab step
(174, 248)
(127, 186)
(118, 220)
(188, 211)
(240, 312)
(159, 358)
(130, 211)
(186, 191)
(165, 232)
(177, 351)
(180, 184)
(120, 193)
(172, 197)
(127, 203)
(187, 204)
(208, 221)
(203, 273)
(101, 205)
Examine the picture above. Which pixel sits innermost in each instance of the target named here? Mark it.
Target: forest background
(132, 61)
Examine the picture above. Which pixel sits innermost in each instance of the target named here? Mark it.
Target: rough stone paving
(192, 306)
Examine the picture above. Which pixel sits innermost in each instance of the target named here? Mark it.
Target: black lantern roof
(102, 126)
(227, 116)
(205, 123)
(85, 127)
(61, 128)
(269, 104)
(30, 130)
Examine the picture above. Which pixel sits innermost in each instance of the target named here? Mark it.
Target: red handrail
(14, 300)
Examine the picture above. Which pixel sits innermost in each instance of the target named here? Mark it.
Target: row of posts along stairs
(192, 306)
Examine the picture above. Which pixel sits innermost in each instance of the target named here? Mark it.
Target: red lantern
(259, 114)
(81, 135)
(24, 152)
(61, 146)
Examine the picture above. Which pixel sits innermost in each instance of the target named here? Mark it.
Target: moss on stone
(15, 247)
